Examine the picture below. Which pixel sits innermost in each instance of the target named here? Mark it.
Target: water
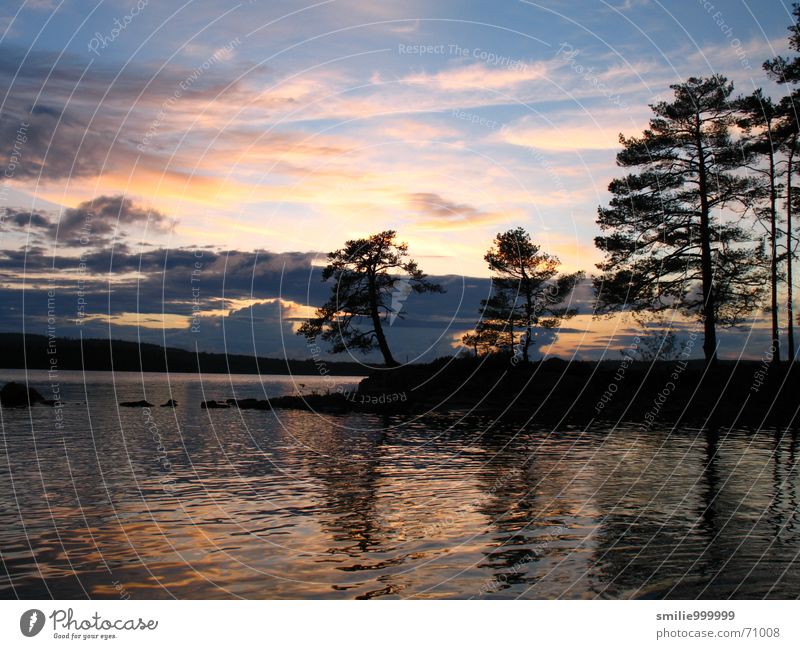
(218, 504)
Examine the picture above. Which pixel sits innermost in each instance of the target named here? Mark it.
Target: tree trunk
(773, 216)
(388, 359)
(526, 345)
(789, 255)
(528, 326)
(706, 265)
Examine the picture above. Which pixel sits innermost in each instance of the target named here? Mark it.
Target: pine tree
(764, 135)
(668, 243)
(364, 283)
(527, 292)
(787, 72)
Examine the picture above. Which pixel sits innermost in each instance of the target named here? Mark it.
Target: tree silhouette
(760, 118)
(486, 339)
(667, 245)
(787, 72)
(361, 296)
(657, 342)
(494, 334)
(791, 201)
(526, 293)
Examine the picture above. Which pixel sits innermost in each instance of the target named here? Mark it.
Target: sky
(176, 171)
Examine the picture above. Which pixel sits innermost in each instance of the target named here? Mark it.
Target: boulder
(136, 404)
(170, 404)
(18, 395)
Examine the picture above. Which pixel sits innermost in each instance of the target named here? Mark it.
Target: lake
(191, 503)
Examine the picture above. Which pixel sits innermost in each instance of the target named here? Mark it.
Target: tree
(361, 297)
(760, 118)
(527, 292)
(658, 340)
(780, 68)
(787, 71)
(792, 198)
(483, 341)
(667, 244)
(661, 345)
(493, 334)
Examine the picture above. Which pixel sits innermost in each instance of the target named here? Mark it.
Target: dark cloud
(25, 219)
(93, 224)
(104, 217)
(45, 110)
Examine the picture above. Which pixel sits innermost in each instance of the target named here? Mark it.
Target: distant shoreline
(285, 374)
(37, 352)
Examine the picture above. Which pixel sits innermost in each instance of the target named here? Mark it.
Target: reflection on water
(250, 504)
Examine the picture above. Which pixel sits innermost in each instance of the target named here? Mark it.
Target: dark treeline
(39, 353)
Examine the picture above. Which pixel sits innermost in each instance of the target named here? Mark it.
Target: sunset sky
(252, 138)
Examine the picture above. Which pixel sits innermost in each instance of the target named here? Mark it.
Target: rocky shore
(554, 392)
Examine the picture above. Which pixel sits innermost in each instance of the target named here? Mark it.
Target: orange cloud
(479, 76)
(144, 320)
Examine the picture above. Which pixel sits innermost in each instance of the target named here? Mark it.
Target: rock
(18, 395)
(249, 404)
(209, 405)
(327, 403)
(136, 404)
(170, 404)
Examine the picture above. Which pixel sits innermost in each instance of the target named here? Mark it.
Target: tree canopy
(527, 293)
(670, 240)
(367, 273)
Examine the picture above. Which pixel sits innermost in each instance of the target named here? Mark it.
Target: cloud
(159, 321)
(575, 137)
(93, 223)
(630, 4)
(88, 117)
(103, 217)
(41, 4)
(479, 76)
(438, 212)
(404, 129)
(24, 219)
